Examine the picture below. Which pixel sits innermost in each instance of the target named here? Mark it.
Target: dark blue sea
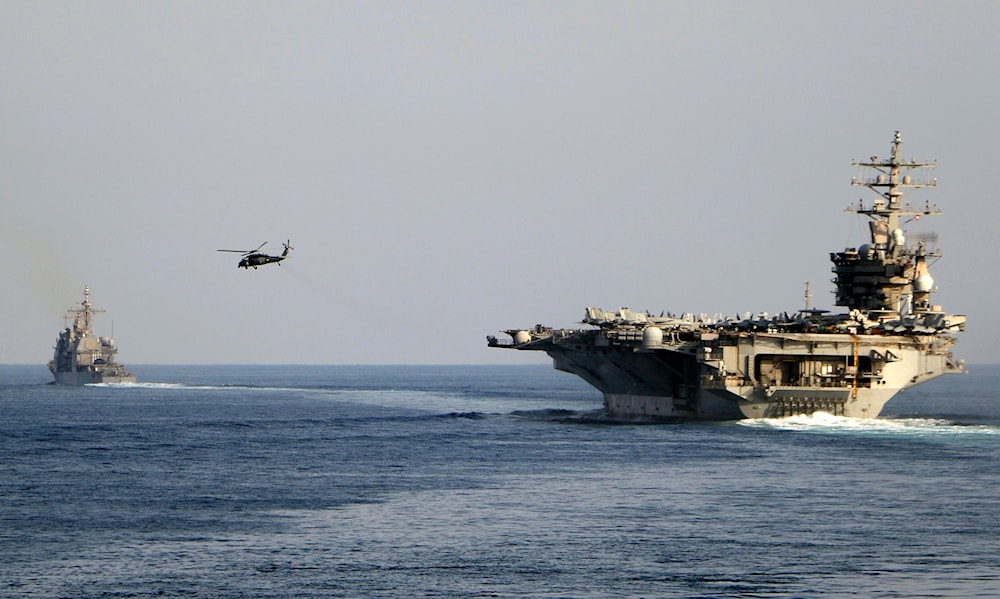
(482, 481)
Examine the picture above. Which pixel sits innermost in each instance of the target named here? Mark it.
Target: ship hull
(85, 377)
(714, 408)
(750, 376)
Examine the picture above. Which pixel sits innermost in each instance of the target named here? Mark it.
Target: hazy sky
(446, 170)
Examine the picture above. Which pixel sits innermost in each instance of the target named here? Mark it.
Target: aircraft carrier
(81, 357)
(889, 337)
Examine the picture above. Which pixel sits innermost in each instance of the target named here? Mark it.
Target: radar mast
(887, 274)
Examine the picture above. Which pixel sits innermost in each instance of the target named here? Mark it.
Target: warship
(890, 336)
(81, 357)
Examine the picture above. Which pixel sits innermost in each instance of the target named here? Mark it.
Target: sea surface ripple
(482, 481)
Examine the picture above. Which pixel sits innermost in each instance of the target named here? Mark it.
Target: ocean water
(482, 481)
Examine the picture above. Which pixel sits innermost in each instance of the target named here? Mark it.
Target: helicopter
(253, 258)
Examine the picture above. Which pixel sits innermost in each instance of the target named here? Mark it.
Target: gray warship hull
(91, 378)
(891, 337)
(745, 375)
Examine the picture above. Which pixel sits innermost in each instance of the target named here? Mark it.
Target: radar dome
(652, 337)
(521, 337)
(924, 283)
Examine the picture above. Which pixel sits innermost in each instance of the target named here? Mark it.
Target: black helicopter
(253, 258)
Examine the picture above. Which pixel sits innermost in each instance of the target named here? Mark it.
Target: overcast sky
(445, 170)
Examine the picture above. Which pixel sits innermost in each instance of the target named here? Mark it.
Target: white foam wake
(828, 423)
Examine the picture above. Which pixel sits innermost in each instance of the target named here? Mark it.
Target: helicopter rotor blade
(245, 251)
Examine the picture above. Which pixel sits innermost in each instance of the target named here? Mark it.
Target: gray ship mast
(890, 183)
(83, 318)
(886, 274)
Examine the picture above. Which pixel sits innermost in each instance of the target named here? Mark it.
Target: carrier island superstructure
(81, 357)
(889, 337)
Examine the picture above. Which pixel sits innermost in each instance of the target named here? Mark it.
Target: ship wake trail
(897, 427)
(563, 415)
(191, 387)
